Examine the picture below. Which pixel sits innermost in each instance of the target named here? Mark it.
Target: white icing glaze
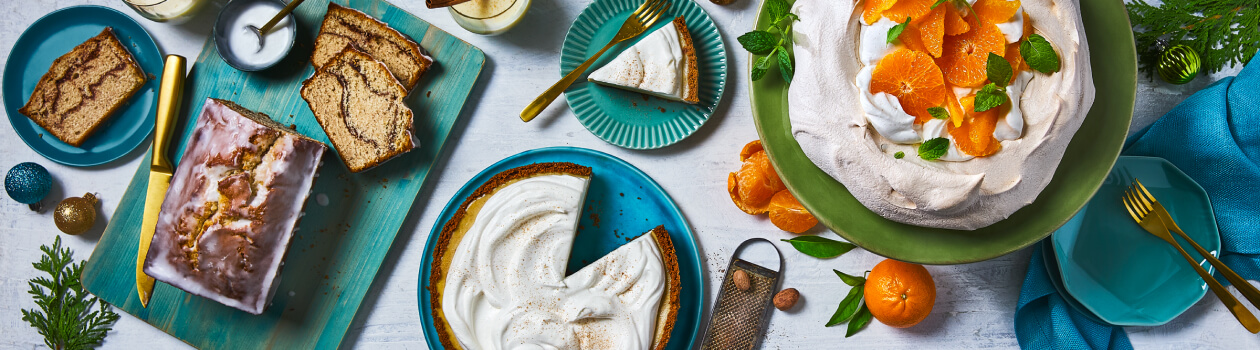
(655, 65)
(243, 43)
(506, 287)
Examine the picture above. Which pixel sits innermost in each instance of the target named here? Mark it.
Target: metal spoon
(262, 33)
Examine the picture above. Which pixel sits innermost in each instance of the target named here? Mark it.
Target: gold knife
(169, 95)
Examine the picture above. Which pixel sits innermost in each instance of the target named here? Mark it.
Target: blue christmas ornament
(28, 183)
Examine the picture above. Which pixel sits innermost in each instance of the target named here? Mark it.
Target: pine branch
(1224, 32)
(65, 317)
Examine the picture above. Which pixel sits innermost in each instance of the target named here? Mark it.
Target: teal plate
(350, 221)
(1056, 280)
(631, 119)
(1088, 158)
(1124, 275)
(54, 35)
(621, 203)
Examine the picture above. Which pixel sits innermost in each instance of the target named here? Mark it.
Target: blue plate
(1124, 275)
(631, 119)
(621, 203)
(56, 34)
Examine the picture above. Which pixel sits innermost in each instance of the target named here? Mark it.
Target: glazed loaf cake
(233, 204)
(83, 88)
(346, 27)
(361, 108)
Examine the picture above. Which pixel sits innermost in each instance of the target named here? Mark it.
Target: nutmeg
(786, 299)
(740, 278)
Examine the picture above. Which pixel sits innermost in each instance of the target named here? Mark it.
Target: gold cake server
(160, 169)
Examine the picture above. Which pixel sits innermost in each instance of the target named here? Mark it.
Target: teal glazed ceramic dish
(631, 119)
(1056, 280)
(1088, 158)
(621, 202)
(56, 34)
(1124, 275)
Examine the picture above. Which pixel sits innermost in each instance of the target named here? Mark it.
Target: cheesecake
(498, 277)
(662, 64)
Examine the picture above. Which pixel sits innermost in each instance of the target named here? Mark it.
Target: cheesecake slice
(361, 109)
(662, 64)
(499, 271)
(83, 88)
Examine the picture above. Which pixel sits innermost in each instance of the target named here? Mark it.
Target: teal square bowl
(1124, 275)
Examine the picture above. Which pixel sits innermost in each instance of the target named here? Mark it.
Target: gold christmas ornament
(76, 215)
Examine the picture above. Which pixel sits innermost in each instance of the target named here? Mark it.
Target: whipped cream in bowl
(854, 134)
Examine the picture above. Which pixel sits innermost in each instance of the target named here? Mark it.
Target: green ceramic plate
(1085, 164)
(630, 119)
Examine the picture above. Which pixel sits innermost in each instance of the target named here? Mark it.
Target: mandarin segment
(912, 38)
(1028, 27)
(756, 182)
(932, 30)
(975, 136)
(965, 56)
(899, 294)
(732, 186)
(956, 113)
(908, 8)
(954, 22)
(996, 11)
(750, 149)
(872, 10)
(913, 78)
(1015, 59)
(789, 215)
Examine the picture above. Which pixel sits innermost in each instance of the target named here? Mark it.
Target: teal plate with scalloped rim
(631, 119)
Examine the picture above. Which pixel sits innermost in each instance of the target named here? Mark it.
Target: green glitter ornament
(1179, 64)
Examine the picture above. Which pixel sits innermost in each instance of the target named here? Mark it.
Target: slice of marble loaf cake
(346, 27)
(360, 106)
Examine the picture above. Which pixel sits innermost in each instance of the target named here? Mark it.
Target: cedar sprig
(1224, 32)
(68, 317)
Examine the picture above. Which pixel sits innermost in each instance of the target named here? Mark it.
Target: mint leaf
(899, 155)
(760, 68)
(778, 9)
(934, 148)
(998, 70)
(848, 307)
(848, 279)
(758, 42)
(938, 112)
(785, 64)
(989, 97)
(819, 247)
(1039, 54)
(860, 321)
(938, 3)
(896, 30)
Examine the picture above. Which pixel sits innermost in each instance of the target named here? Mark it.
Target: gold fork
(1141, 211)
(1149, 203)
(638, 22)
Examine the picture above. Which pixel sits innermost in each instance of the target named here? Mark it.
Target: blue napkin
(1214, 137)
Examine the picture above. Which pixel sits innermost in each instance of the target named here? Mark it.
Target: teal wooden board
(339, 246)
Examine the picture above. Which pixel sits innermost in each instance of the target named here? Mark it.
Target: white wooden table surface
(975, 302)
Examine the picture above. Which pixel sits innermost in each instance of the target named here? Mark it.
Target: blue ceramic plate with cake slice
(56, 34)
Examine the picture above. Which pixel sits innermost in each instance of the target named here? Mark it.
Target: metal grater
(740, 317)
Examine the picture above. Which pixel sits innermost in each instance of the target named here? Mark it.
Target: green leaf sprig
(933, 149)
(853, 308)
(68, 317)
(1225, 32)
(896, 30)
(819, 247)
(774, 42)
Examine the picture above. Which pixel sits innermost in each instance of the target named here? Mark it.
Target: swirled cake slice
(360, 106)
(83, 88)
(346, 27)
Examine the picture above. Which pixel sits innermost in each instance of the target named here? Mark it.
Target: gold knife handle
(169, 94)
(540, 103)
